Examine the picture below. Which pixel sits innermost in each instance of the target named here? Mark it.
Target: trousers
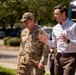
(64, 64)
(24, 69)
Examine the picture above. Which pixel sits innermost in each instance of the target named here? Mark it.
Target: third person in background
(51, 60)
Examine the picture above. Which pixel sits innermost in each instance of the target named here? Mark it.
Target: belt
(66, 54)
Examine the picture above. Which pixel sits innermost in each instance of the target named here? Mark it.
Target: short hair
(61, 8)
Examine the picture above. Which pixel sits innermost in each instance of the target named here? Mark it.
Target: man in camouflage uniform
(33, 54)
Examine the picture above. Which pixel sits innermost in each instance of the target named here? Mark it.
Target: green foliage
(6, 71)
(41, 10)
(46, 74)
(14, 41)
(11, 11)
(5, 40)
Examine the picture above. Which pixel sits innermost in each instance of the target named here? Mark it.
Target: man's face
(58, 15)
(29, 23)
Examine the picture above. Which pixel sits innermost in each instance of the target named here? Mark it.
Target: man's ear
(64, 13)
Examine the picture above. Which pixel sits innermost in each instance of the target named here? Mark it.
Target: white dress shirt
(69, 28)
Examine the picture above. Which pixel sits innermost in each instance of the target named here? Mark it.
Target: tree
(43, 10)
(11, 11)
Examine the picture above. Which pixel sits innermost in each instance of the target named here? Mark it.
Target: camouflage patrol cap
(27, 16)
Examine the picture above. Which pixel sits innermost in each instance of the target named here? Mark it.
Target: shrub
(13, 41)
(7, 71)
(6, 39)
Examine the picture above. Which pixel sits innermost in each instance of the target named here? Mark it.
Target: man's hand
(63, 38)
(40, 66)
(42, 38)
(18, 64)
(52, 49)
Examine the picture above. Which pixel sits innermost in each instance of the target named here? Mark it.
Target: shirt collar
(65, 22)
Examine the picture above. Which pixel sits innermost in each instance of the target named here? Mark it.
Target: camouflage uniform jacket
(31, 48)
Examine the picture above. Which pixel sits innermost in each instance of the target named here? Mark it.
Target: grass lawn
(7, 71)
(46, 74)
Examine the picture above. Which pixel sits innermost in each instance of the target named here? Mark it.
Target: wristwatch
(68, 41)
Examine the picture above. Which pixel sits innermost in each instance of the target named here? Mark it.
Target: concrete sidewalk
(14, 66)
(8, 59)
(8, 65)
(10, 50)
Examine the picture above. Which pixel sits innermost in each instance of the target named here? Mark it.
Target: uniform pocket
(22, 59)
